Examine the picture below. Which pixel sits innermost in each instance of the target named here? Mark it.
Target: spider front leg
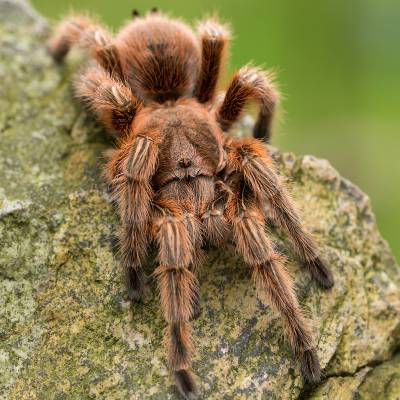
(128, 172)
(249, 84)
(85, 33)
(195, 234)
(251, 158)
(285, 216)
(178, 288)
(214, 43)
(129, 169)
(270, 275)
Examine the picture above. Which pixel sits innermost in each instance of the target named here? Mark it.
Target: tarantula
(180, 180)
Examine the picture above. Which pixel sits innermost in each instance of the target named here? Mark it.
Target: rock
(67, 331)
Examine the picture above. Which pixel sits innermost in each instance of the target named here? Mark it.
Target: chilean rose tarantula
(178, 177)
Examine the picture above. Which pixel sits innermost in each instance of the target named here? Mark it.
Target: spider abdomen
(160, 57)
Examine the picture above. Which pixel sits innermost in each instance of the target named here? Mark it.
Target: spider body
(161, 57)
(180, 180)
(192, 142)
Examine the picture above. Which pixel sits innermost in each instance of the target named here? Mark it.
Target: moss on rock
(67, 331)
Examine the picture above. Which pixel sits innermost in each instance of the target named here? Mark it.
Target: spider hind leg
(250, 84)
(97, 41)
(214, 39)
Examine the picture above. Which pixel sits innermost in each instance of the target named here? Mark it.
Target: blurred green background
(338, 64)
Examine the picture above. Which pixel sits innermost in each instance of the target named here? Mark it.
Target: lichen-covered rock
(67, 331)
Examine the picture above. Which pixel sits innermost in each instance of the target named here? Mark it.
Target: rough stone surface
(66, 330)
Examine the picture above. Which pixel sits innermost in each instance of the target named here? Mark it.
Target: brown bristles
(214, 42)
(83, 32)
(177, 288)
(186, 384)
(310, 367)
(250, 84)
(177, 178)
(320, 272)
(113, 102)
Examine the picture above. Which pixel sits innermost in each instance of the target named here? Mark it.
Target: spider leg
(128, 172)
(252, 160)
(270, 275)
(285, 216)
(112, 101)
(214, 43)
(192, 198)
(178, 286)
(193, 227)
(90, 36)
(249, 84)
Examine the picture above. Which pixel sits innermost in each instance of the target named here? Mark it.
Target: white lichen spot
(10, 206)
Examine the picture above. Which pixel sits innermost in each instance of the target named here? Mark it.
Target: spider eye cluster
(185, 162)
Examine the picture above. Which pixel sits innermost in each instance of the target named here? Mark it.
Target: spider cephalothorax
(179, 179)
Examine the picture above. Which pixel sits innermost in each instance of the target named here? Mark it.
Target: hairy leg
(112, 101)
(194, 229)
(214, 43)
(249, 84)
(128, 172)
(85, 33)
(178, 286)
(284, 215)
(252, 160)
(270, 275)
